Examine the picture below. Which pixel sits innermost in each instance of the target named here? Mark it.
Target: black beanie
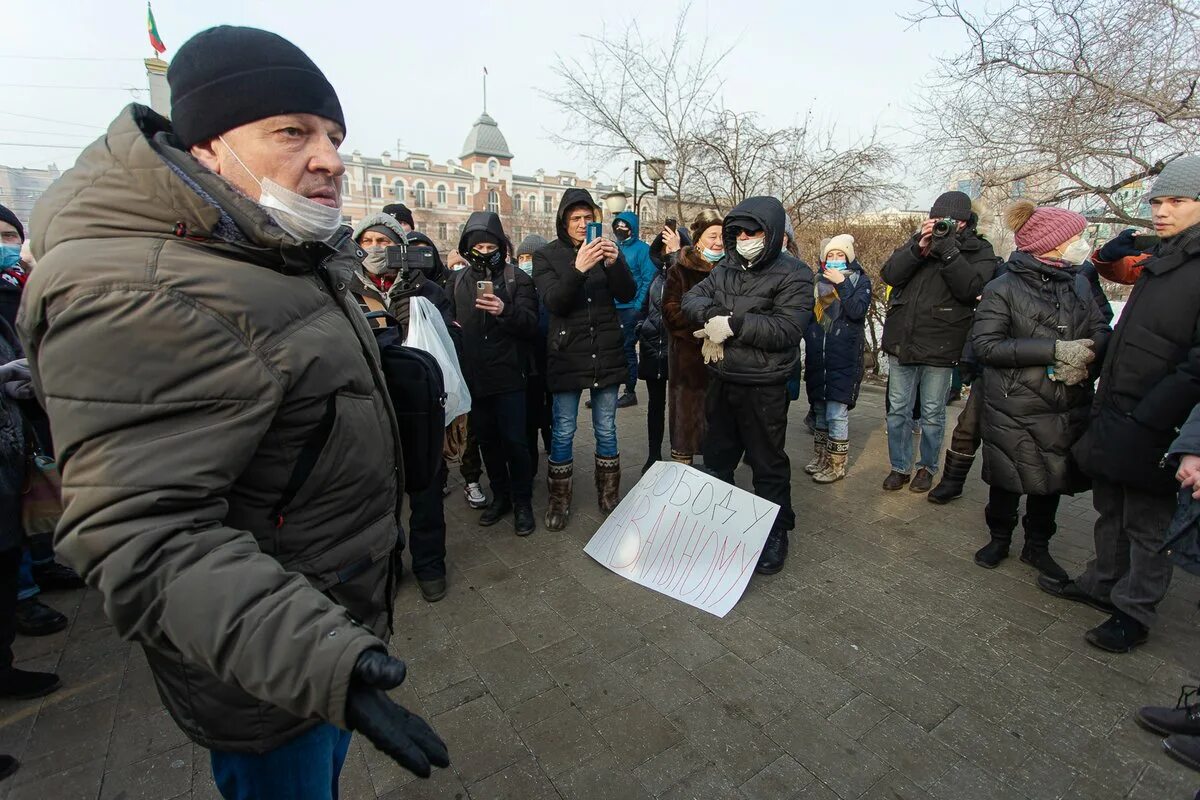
(472, 238)
(229, 76)
(401, 213)
(6, 215)
(952, 205)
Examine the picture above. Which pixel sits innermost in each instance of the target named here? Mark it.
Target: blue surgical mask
(712, 256)
(527, 267)
(838, 265)
(10, 254)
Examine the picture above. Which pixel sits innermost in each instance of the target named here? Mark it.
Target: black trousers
(471, 467)
(499, 424)
(751, 421)
(10, 565)
(967, 435)
(1040, 509)
(427, 529)
(656, 417)
(537, 416)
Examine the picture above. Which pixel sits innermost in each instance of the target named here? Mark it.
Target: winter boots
(774, 553)
(836, 455)
(1036, 552)
(1001, 527)
(953, 478)
(558, 481)
(820, 453)
(608, 482)
(681, 458)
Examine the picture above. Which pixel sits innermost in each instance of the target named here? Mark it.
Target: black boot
(1036, 551)
(774, 553)
(953, 478)
(1001, 528)
(500, 507)
(22, 684)
(629, 398)
(523, 519)
(35, 618)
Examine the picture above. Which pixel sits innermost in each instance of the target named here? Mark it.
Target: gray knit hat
(1180, 178)
(530, 244)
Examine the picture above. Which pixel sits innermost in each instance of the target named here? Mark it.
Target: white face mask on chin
(305, 219)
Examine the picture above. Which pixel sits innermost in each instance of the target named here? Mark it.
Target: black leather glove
(944, 248)
(1118, 247)
(391, 728)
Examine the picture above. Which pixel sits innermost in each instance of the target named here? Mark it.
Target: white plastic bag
(427, 331)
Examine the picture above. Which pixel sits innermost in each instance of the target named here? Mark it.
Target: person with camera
(752, 311)
(936, 278)
(580, 278)
(1149, 383)
(496, 305)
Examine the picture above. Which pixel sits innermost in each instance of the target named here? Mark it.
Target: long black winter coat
(770, 301)
(652, 333)
(834, 356)
(1151, 376)
(1029, 421)
(929, 313)
(12, 451)
(497, 352)
(585, 346)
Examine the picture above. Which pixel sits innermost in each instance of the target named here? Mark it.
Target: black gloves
(404, 736)
(1118, 247)
(944, 248)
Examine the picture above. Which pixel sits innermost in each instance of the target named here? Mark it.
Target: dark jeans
(537, 416)
(306, 768)
(751, 420)
(967, 435)
(499, 423)
(471, 467)
(1128, 571)
(427, 529)
(630, 317)
(10, 566)
(656, 417)
(1040, 509)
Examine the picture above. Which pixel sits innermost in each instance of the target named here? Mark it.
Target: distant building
(993, 193)
(20, 188)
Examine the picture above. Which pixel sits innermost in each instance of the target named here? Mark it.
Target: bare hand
(610, 252)
(1189, 474)
(489, 303)
(589, 255)
(927, 232)
(670, 240)
(834, 276)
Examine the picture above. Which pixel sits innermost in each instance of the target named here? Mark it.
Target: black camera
(402, 258)
(944, 227)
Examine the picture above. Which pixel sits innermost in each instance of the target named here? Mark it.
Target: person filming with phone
(579, 276)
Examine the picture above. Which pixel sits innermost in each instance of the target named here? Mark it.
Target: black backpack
(418, 395)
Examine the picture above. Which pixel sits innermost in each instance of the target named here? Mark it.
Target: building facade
(20, 188)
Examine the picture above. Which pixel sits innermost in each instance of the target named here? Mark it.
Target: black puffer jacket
(497, 350)
(770, 301)
(1029, 421)
(652, 332)
(932, 300)
(1151, 376)
(584, 349)
(12, 451)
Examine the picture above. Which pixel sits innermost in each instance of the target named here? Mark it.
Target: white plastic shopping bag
(427, 331)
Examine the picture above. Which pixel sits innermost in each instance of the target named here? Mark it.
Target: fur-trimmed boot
(681, 458)
(608, 482)
(820, 453)
(558, 481)
(838, 452)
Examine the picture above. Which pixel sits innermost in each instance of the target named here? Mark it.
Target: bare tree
(1089, 97)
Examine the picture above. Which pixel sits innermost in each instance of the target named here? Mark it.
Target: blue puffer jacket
(637, 256)
(834, 351)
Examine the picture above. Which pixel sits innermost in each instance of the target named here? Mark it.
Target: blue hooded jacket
(637, 256)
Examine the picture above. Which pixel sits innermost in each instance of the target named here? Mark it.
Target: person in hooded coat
(753, 308)
(1037, 329)
(438, 272)
(834, 353)
(498, 329)
(652, 366)
(579, 282)
(537, 399)
(626, 230)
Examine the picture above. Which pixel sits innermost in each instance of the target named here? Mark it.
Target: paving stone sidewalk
(881, 663)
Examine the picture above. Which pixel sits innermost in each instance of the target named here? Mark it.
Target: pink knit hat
(1042, 229)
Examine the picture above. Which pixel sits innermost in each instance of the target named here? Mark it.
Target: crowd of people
(213, 388)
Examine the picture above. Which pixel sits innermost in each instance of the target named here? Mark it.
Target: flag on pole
(155, 40)
(485, 70)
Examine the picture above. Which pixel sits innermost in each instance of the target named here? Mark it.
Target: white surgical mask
(376, 260)
(1077, 252)
(750, 249)
(305, 219)
(712, 256)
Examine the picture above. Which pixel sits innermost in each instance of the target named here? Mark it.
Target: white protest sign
(686, 534)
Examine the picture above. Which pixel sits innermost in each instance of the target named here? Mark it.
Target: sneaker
(433, 589)
(55, 577)
(1184, 749)
(8, 765)
(475, 496)
(20, 684)
(34, 618)
(1183, 719)
(895, 481)
(922, 481)
(1120, 633)
(626, 400)
(1071, 591)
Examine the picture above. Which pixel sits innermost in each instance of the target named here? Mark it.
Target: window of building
(493, 167)
(547, 205)
(462, 195)
(971, 188)
(493, 202)
(398, 190)
(441, 194)
(516, 202)
(376, 187)
(419, 192)
(417, 165)
(442, 231)
(532, 204)
(345, 185)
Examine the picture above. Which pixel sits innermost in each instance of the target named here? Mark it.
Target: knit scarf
(826, 296)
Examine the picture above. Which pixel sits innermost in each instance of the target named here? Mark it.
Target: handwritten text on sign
(687, 535)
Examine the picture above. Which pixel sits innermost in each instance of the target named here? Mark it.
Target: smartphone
(482, 288)
(671, 223)
(594, 231)
(1145, 241)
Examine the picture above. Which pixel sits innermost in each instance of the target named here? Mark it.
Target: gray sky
(411, 72)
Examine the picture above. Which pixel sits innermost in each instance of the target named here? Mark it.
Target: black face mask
(621, 233)
(485, 261)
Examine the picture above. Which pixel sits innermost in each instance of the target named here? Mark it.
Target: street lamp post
(655, 170)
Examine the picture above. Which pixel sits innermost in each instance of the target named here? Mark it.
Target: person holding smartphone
(580, 282)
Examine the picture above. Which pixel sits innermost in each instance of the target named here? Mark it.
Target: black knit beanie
(229, 76)
(952, 205)
(401, 213)
(7, 215)
(473, 238)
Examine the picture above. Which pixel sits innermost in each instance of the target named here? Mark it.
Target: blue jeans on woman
(833, 418)
(565, 421)
(306, 768)
(903, 382)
